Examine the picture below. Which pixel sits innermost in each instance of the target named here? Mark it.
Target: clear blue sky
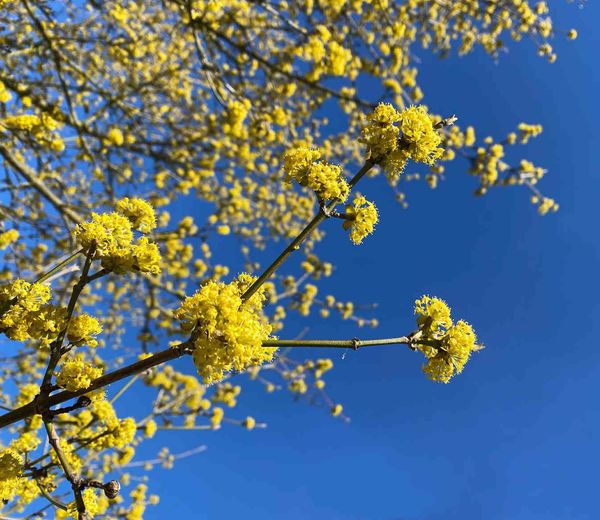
(514, 437)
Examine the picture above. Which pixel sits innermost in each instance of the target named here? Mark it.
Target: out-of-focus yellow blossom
(324, 179)
(216, 417)
(8, 237)
(336, 410)
(249, 423)
(139, 212)
(76, 374)
(82, 329)
(150, 428)
(362, 217)
(228, 331)
(115, 136)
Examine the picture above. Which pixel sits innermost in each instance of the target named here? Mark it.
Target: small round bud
(112, 489)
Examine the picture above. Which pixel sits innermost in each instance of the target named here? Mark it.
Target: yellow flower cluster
(112, 237)
(362, 217)
(139, 212)
(228, 332)
(446, 346)
(326, 180)
(82, 330)
(545, 204)
(40, 127)
(8, 237)
(391, 146)
(5, 95)
(93, 506)
(11, 464)
(226, 394)
(25, 313)
(77, 374)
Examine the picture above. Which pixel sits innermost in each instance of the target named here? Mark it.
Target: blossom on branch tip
(362, 217)
(446, 346)
(227, 331)
(414, 137)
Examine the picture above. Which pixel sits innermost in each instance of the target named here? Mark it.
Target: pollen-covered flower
(362, 217)
(446, 346)
(325, 179)
(139, 212)
(76, 374)
(392, 145)
(112, 237)
(419, 138)
(110, 233)
(228, 332)
(433, 314)
(82, 330)
(453, 353)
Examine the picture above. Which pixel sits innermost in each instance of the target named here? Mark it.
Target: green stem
(310, 227)
(58, 267)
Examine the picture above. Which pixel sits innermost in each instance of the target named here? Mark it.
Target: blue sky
(515, 436)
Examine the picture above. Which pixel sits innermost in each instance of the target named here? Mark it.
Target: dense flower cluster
(83, 329)
(362, 217)
(110, 235)
(77, 374)
(446, 346)
(326, 180)
(228, 332)
(391, 145)
(139, 212)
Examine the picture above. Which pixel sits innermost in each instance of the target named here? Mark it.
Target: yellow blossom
(228, 331)
(139, 212)
(82, 329)
(76, 374)
(362, 217)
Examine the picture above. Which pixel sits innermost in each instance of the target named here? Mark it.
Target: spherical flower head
(82, 330)
(362, 217)
(299, 159)
(433, 316)
(139, 212)
(115, 136)
(381, 136)
(326, 180)
(419, 138)
(228, 332)
(146, 257)
(76, 374)
(249, 423)
(453, 354)
(110, 233)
